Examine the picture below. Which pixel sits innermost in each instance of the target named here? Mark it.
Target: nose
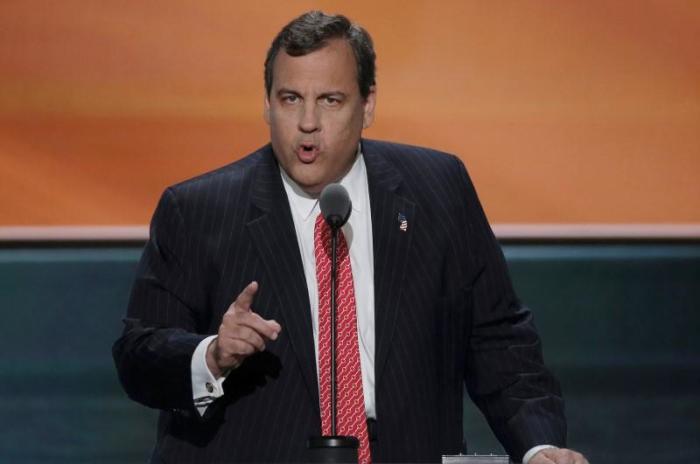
(308, 121)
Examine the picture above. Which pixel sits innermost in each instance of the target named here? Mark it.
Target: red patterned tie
(351, 403)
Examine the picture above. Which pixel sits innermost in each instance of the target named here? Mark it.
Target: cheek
(344, 124)
(283, 118)
(282, 126)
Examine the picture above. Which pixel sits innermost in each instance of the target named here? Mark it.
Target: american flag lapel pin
(403, 223)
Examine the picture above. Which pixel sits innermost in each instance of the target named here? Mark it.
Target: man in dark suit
(222, 331)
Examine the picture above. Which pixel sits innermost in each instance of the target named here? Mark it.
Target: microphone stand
(334, 327)
(334, 448)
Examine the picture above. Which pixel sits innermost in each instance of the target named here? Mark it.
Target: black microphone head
(335, 205)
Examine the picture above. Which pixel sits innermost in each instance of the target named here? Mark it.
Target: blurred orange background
(564, 112)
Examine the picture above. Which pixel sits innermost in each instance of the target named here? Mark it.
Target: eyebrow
(332, 93)
(283, 91)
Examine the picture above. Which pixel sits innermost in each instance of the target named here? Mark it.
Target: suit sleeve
(154, 353)
(505, 373)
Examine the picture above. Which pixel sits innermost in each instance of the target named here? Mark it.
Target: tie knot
(320, 224)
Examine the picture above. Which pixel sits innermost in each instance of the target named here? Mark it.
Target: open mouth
(307, 152)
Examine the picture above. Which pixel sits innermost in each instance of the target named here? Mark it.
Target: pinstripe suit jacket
(445, 315)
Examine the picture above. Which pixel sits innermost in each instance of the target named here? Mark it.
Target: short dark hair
(312, 31)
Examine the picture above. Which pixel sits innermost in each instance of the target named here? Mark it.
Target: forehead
(333, 65)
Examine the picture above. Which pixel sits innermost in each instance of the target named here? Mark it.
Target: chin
(308, 183)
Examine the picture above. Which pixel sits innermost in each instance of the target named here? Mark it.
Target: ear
(266, 109)
(368, 116)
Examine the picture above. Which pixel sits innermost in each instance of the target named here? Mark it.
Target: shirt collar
(355, 182)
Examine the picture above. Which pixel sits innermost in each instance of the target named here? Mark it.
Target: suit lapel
(391, 246)
(272, 231)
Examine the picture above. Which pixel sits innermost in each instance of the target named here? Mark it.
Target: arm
(163, 323)
(505, 372)
(163, 359)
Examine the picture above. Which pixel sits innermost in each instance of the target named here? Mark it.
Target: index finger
(245, 300)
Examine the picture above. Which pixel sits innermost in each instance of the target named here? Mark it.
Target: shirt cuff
(205, 387)
(533, 451)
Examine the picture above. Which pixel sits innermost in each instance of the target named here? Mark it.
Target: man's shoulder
(395, 149)
(410, 160)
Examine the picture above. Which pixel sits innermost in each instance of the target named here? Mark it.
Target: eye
(330, 100)
(290, 98)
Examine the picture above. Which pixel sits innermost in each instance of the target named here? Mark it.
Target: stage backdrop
(565, 112)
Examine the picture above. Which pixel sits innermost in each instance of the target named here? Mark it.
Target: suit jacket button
(210, 387)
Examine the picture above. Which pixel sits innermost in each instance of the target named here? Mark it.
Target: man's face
(316, 114)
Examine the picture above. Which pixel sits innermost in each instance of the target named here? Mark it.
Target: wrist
(534, 450)
(212, 362)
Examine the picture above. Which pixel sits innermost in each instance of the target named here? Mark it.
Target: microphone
(335, 205)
